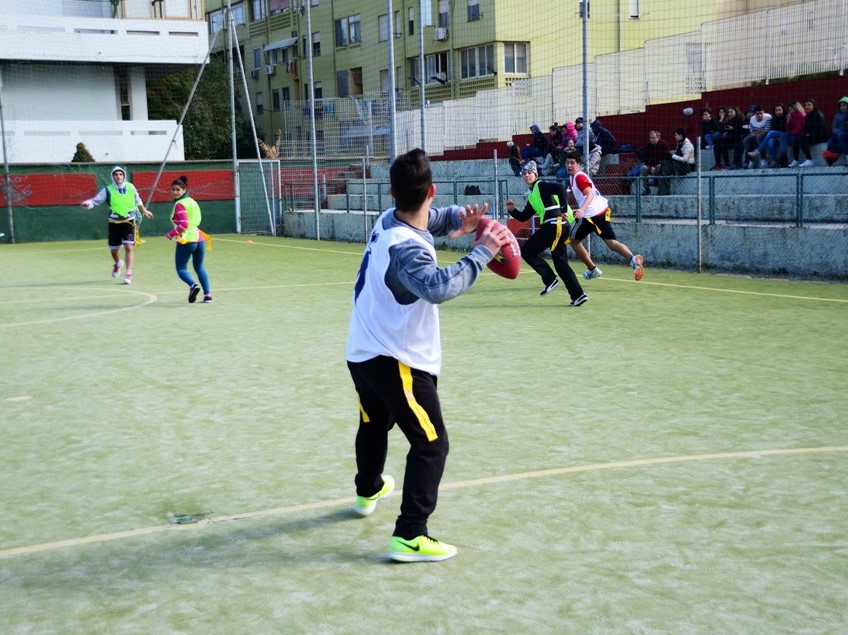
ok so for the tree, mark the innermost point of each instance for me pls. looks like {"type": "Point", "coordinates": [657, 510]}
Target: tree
{"type": "Point", "coordinates": [206, 127]}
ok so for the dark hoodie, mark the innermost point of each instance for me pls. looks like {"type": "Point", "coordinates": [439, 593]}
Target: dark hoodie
{"type": "Point", "coordinates": [603, 137]}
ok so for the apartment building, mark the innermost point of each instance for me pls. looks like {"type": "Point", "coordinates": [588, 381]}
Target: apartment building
{"type": "Point", "coordinates": [469, 46]}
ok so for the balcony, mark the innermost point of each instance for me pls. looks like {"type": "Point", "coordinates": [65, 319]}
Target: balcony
{"type": "Point", "coordinates": [102, 41]}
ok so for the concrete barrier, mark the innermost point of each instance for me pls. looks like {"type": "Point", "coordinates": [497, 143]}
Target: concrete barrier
{"type": "Point", "coordinates": [759, 248]}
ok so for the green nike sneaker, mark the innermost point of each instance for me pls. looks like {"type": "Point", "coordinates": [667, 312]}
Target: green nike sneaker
{"type": "Point", "coordinates": [364, 506]}
{"type": "Point", "coordinates": [420, 549]}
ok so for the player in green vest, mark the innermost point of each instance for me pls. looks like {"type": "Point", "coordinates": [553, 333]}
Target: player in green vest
{"type": "Point", "coordinates": [124, 204]}
{"type": "Point", "coordinates": [548, 201]}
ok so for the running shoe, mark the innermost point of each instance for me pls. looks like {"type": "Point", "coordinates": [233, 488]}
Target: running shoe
{"type": "Point", "coordinates": [365, 505]}
{"type": "Point", "coordinates": [591, 274]}
{"type": "Point", "coordinates": [192, 293]}
{"type": "Point", "coordinates": [207, 298]}
{"type": "Point", "coordinates": [128, 278]}
{"type": "Point", "coordinates": [583, 299]}
{"type": "Point", "coordinates": [420, 549]}
{"type": "Point", "coordinates": [550, 287]}
{"type": "Point", "coordinates": [116, 268]}
{"type": "Point", "coordinates": [638, 264]}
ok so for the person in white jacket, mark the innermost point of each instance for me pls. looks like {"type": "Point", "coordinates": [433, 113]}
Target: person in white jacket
{"type": "Point", "coordinates": [681, 161]}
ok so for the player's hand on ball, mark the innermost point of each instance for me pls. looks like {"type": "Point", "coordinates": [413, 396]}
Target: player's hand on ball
{"type": "Point", "coordinates": [87, 204]}
{"type": "Point", "coordinates": [470, 217]}
{"type": "Point", "coordinates": [502, 243]}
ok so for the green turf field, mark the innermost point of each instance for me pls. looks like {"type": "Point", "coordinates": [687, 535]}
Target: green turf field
{"type": "Point", "coordinates": [671, 457]}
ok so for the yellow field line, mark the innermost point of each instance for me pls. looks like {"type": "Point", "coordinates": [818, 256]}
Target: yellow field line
{"type": "Point", "coordinates": [280, 511]}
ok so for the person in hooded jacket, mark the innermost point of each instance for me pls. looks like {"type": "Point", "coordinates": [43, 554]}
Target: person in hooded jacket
{"type": "Point", "coordinates": [124, 204]}
{"type": "Point", "coordinates": [838, 142]}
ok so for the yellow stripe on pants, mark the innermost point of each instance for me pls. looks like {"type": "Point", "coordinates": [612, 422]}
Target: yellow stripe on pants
{"type": "Point", "coordinates": [420, 413]}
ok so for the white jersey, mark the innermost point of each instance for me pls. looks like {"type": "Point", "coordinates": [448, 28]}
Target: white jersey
{"type": "Point", "coordinates": [578, 183]}
{"type": "Point", "coordinates": [398, 289]}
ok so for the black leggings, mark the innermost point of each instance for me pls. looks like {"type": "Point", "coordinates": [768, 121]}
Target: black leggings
{"type": "Point", "coordinates": [546, 238]}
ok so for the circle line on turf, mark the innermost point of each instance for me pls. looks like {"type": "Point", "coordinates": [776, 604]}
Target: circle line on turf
{"type": "Point", "coordinates": [150, 298]}
{"type": "Point", "coordinates": [280, 511]}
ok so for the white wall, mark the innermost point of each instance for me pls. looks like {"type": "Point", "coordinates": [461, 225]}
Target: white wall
{"type": "Point", "coordinates": [54, 92]}
{"type": "Point", "coordinates": [108, 141]}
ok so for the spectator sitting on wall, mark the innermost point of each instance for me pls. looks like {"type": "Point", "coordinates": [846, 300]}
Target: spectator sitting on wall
{"type": "Point", "coordinates": [815, 131]}
{"type": "Point", "coordinates": [680, 162]}
{"type": "Point", "coordinates": [603, 137]}
{"type": "Point", "coordinates": [838, 142]}
{"type": "Point", "coordinates": [540, 144]}
{"type": "Point", "coordinates": [580, 131]}
{"type": "Point", "coordinates": [654, 153]}
{"type": "Point", "coordinates": [759, 125]}
{"type": "Point", "coordinates": [709, 128]}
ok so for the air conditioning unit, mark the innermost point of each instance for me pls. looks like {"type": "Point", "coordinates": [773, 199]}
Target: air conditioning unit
{"type": "Point", "coordinates": [441, 34]}
{"type": "Point", "coordinates": [270, 69]}
{"type": "Point", "coordinates": [254, 73]}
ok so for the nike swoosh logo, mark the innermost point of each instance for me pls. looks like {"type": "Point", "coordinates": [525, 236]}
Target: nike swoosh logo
{"type": "Point", "coordinates": [409, 546]}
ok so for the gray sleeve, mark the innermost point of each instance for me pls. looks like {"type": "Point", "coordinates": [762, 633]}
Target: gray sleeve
{"type": "Point", "coordinates": [98, 198]}
{"type": "Point", "coordinates": [414, 269]}
{"type": "Point", "coordinates": [444, 220]}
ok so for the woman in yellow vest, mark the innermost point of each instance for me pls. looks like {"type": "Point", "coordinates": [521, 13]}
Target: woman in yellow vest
{"type": "Point", "coordinates": [191, 241]}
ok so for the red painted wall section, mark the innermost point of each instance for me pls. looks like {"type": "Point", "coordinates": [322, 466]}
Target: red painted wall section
{"type": "Point", "coordinates": [203, 185]}
{"type": "Point", "coordinates": [36, 190]}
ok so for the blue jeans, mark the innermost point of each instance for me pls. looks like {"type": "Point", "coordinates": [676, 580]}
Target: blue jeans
{"type": "Point", "coordinates": [788, 140]}
{"type": "Point", "coordinates": [838, 143]}
{"type": "Point", "coordinates": [196, 252]}
{"type": "Point", "coordinates": [771, 142]}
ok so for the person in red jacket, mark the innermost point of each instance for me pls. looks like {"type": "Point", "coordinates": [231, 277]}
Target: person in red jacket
{"type": "Point", "coordinates": [794, 130]}
{"type": "Point", "coordinates": [191, 241]}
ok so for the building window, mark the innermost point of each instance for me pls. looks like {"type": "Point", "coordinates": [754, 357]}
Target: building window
{"type": "Point", "coordinates": [257, 58]}
{"type": "Point", "coordinates": [473, 10]}
{"type": "Point", "coordinates": [278, 6]}
{"type": "Point", "coordinates": [316, 45]}
{"type": "Point", "coordinates": [383, 25]}
{"type": "Point", "coordinates": [218, 18]}
{"type": "Point", "coordinates": [634, 9]}
{"type": "Point", "coordinates": [286, 95]}
{"type": "Point", "coordinates": [478, 61]}
{"type": "Point", "coordinates": [216, 21]}
{"type": "Point", "coordinates": [275, 100]}
{"type": "Point", "coordinates": [341, 84]}
{"type": "Point", "coordinates": [349, 82]}
{"type": "Point", "coordinates": [515, 57]}
{"type": "Point", "coordinates": [260, 103]}
{"type": "Point", "coordinates": [444, 14]}
{"type": "Point", "coordinates": [257, 9]}
{"type": "Point", "coordinates": [410, 20]}
{"type": "Point", "coordinates": [585, 7]}
{"type": "Point", "coordinates": [438, 68]}
{"type": "Point", "coordinates": [348, 31]}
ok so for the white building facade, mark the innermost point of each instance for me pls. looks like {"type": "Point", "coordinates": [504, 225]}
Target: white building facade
{"type": "Point", "coordinates": [77, 71]}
